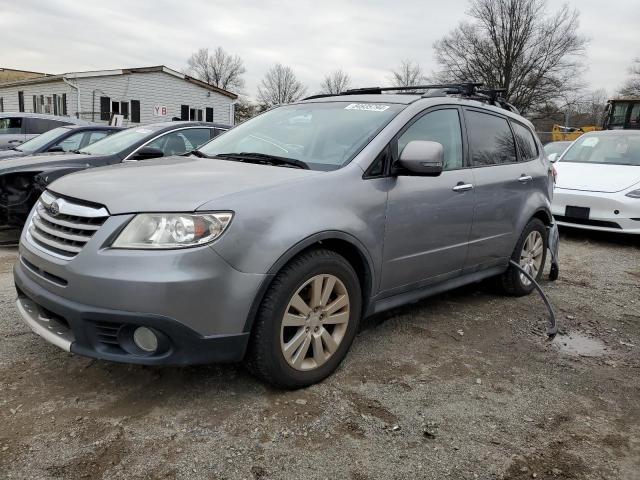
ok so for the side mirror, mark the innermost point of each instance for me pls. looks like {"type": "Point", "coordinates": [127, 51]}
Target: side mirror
{"type": "Point", "coordinates": [422, 158]}
{"type": "Point", "coordinates": [553, 158]}
{"type": "Point", "coordinates": [146, 153]}
{"type": "Point", "coordinates": [55, 149]}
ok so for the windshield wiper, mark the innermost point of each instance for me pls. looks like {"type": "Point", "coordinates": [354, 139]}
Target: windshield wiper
{"type": "Point", "coordinates": [196, 153]}
{"type": "Point", "coordinates": [253, 157]}
{"type": "Point", "coordinates": [78, 151]}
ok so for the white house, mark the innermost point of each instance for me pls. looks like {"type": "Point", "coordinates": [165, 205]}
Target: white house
{"type": "Point", "coordinates": [142, 95]}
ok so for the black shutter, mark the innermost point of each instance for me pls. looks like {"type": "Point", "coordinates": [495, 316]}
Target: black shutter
{"type": "Point", "coordinates": [64, 104]}
{"type": "Point", "coordinates": [115, 107]}
{"type": "Point", "coordinates": [135, 111]}
{"type": "Point", "coordinates": [35, 104]}
{"type": "Point", "coordinates": [200, 115]}
{"type": "Point", "coordinates": [55, 105]}
{"type": "Point", "coordinates": [209, 114]}
{"type": "Point", "coordinates": [192, 114]}
{"type": "Point", "coordinates": [21, 101]}
{"type": "Point", "coordinates": [124, 109]}
{"type": "Point", "coordinates": [105, 108]}
{"type": "Point", "coordinates": [184, 112]}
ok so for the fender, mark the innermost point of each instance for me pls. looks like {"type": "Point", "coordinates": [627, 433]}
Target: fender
{"type": "Point", "coordinates": [302, 245]}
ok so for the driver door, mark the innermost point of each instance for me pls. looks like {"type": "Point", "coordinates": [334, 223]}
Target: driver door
{"type": "Point", "coordinates": [429, 218]}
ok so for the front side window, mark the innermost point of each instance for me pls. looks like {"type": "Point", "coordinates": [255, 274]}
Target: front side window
{"type": "Point", "coordinates": [442, 126]}
{"type": "Point", "coordinates": [490, 139]}
{"type": "Point", "coordinates": [72, 142]}
{"type": "Point", "coordinates": [616, 149]}
{"type": "Point", "coordinates": [10, 125]}
{"type": "Point", "coordinates": [95, 136]}
{"type": "Point", "coordinates": [526, 143]}
{"type": "Point", "coordinates": [324, 135]}
{"type": "Point", "coordinates": [182, 141]}
{"type": "Point", "coordinates": [118, 142]}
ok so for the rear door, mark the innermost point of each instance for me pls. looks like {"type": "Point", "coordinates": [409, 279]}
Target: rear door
{"type": "Point", "coordinates": [429, 218]}
{"type": "Point", "coordinates": [501, 187]}
{"type": "Point", "coordinates": [12, 132]}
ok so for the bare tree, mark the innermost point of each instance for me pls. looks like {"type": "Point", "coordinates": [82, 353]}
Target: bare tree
{"type": "Point", "coordinates": [515, 45]}
{"type": "Point", "coordinates": [409, 73]}
{"type": "Point", "coordinates": [280, 85]}
{"type": "Point", "coordinates": [244, 109]}
{"type": "Point", "coordinates": [632, 86]}
{"type": "Point", "coordinates": [220, 69]}
{"type": "Point", "coordinates": [336, 82]}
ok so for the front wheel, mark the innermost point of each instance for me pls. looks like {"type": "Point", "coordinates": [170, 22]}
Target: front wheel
{"type": "Point", "coordinates": [307, 320]}
{"type": "Point", "coordinates": [530, 253]}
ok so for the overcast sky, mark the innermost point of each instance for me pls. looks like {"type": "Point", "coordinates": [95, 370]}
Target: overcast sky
{"type": "Point", "coordinates": [366, 38]}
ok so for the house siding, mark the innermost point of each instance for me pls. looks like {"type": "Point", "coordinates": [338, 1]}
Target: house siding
{"type": "Point", "coordinates": [150, 88]}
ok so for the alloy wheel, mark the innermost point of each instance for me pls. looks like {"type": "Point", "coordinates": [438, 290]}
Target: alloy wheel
{"type": "Point", "coordinates": [531, 256]}
{"type": "Point", "coordinates": [314, 322]}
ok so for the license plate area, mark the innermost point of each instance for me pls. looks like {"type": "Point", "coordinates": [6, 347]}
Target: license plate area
{"type": "Point", "coordinates": [577, 212]}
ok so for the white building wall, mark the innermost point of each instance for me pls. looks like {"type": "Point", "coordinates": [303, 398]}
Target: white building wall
{"type": "Point", "coordinates": [151, 89]}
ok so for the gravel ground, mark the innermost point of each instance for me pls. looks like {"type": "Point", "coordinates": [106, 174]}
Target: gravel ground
{"type": "Point", "coordinates": [462, 386]}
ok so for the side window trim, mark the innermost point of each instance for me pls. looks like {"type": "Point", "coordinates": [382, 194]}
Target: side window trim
{"type": "Point", "coordinates": [506, 119]}
{"type": "Point", "coordinates": [533, 137]}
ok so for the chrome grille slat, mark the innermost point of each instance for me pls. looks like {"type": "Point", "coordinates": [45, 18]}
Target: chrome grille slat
{"type": "Point", "coordinates": [62, 227]}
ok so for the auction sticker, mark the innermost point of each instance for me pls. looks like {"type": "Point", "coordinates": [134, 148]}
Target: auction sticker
{"type": "Point", "coordinates": [371, 107]}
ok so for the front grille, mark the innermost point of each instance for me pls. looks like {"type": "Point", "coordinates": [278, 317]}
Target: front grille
{"type": "Point", "coordinates": [62, 227]}
{"type": "Point", "coordinates": [584, 221]}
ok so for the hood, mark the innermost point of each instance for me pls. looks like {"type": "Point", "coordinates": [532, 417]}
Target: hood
{"type": "Point", "coordinates": [11, 154]}
{"type": "Point", "coordinates": [171, 184]}
{"type": "Point", "coordinates": [596, 177]}
{"type": "Point", "coordinates": [30, 163]}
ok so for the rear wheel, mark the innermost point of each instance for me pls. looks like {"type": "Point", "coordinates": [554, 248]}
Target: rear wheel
{"type": "Point", "coordinates": [307, 320]}
{"type": "Point", "coordinates": [530, 253]}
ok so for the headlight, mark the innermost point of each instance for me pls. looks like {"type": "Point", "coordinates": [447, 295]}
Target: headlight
{"type": "Point", "coordinates": [634, 194]}
{"type": "Point", "coordinates": [172, 230]}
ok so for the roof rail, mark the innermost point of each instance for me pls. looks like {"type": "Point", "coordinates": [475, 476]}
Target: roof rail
{"type": "Point", "coordinates": [471, 90]}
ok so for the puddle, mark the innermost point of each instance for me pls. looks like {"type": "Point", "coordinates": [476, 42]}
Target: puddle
{"type": "Point", "coordinates": [577, 344]}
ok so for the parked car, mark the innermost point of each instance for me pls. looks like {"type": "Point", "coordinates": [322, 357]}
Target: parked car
{"type": "Point", "coordinates": [60, 140]}
{"type": "Point", "coordinates": [23, 179]}
{"type": "Point", "coordinates": [17, 128]}
{"type": "Point", "coordinates": [296, 224]}
{"type": "Point", "coordinates": [555, 149]}
{"type": "Point", "coordinates": [598, 186]}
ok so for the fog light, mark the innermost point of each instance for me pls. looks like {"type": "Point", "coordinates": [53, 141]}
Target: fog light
{"type": "Point", "coordinates": [145, 339]}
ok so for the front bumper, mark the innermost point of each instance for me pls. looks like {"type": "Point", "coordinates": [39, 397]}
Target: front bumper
{"type": "Point", "coordinates": [195, 302]}
{"type": "Point", "coordinates": [609, 212]}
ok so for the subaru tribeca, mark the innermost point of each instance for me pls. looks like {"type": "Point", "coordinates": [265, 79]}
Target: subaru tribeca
{"type": "Point", "coordinates": [273, 240]}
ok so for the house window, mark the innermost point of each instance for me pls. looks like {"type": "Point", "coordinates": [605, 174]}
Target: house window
{"type": "Point", "coordinates": [184, 112]}
{"type": "Point", "coordinates": [124, 109]}
{"type": "Point", "coordinates": [135, 111]}
{"type": "Point", "coordinates": [21, 101]}
{"type": "Point", "coordinates": [47, 108]}
{"type": "Point", "coordinates": [105, 108]}
{"type": "Point", "coordinates": [115, 107]}
{"type": "Point", "coordinates": [199, 115]}
{"type": "Point", "coordinates": [192, 114]}
{"type": "Point", "coordinates": [209, 116]}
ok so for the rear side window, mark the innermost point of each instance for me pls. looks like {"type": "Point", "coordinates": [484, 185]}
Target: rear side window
{"type": "Point", "coordinates": [41, 125]}
{"type": "Point", "coordinates": [526, 143]}
{"type": "Point", "coordinates": [10, 125]}
{"type": "Point", "coordinates": [490, 139]}
{"type": "Point", "coordinates": [442, 126]}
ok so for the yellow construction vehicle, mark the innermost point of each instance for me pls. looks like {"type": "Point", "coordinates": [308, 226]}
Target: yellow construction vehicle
{"type": "Point", "coordinates": [560, 133]}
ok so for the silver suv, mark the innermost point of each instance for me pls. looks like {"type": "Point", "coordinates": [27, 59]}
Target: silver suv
{"type": "Point", "coordinates": [273, 240]}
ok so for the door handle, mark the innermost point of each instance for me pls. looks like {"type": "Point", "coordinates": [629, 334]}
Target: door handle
{"type": "Point", "coordinates": [462, 187]}
{"type": "Point", "coordinates": [525, 178]}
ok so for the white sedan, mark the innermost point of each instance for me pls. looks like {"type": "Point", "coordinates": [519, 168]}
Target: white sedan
{"type": "Point", "coordinates": [598, 182]}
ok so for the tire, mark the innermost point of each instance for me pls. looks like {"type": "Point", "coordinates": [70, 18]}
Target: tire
{"type": "Point", "coordinates": [512, 282]}
{"type": "Point", "coordinates": [272, 354]}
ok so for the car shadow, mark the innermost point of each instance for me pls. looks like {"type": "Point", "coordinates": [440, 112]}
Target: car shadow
{"type": "Point", "coordinates": [596, 236]}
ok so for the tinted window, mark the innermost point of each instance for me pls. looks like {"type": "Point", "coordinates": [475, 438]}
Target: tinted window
{"type": "Point", "coordinates": [490, 139]}
{"type": "Point", "coordinates": [218, 131]}
{"type": "Point", "coordinates": [41, 125]}
{"type": "Point", "coordinates": [442, 126]}
{"type": "Point", "coordinates": [525, 141]}
{"type": "Point", "coordinates": [182, 141]}
{"type": "Point", "coordinates": [10, 125]}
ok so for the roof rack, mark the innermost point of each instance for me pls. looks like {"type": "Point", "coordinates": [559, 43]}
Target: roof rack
{"type": "Point", "coordinates": [470, 90]}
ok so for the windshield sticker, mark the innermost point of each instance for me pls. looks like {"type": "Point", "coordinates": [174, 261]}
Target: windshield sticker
{"type": "Point", "coordinates": [370, 107]}
{"type": "Point", "coordinates": [590, 142]}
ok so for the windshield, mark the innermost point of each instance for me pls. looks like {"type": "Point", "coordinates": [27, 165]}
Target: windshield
{"type": "Point", "coordinates": [556, 147]}
{"type": "Point", "coordinates": [607, 149]}
{"type": "Point", "coordinates": [117, 142]}
{"type": "Point", "coordinates": [325, 136]}
{"type": "Point", "coordinates": [41, 140]}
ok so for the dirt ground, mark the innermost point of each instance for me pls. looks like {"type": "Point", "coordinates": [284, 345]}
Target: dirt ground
{"type": "Point", "coordinates": [462, 386]}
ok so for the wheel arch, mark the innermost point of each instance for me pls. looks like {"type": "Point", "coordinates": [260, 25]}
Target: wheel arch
{"type": "Point", "coordinates": [340, 242]}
